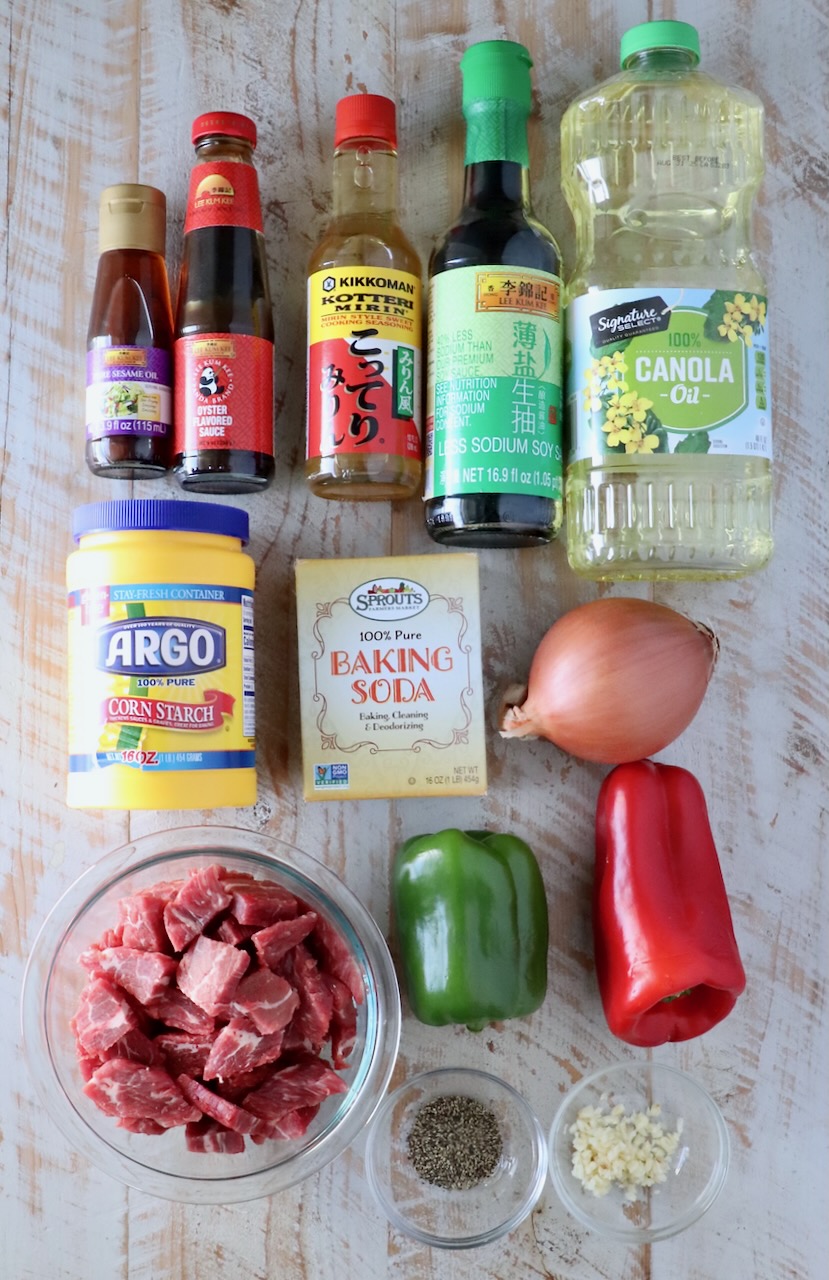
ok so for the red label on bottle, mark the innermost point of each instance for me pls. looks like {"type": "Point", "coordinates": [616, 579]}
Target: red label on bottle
{"type": "Point", "coordinates": [363, 362]}
{"type": "Point", "coordinates": [223, 194]}
{"type": "Point", "coordinates": [223, 393]}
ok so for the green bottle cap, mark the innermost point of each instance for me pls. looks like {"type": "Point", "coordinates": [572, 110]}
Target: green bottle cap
{"type": "Point", "coordinates": [497, 69]}
{"type": "Point", "coordinates": [659, 35]}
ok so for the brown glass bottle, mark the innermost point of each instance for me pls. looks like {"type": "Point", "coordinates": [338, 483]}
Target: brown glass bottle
{"type": "Point", "coordinates": [224, 330]}
{"type": "Point", "coordinates": [363, 435]}
{"type": "Point", "coordinates": [130, 339]}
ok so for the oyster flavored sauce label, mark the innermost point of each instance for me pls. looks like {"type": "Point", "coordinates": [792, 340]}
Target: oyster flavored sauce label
{"type": "Point", "coordinates": [162, 677]}
{"type": "Point", "coordinates": [667, 370]}
{"type": "Point", "coordinates": [390, 677]}
{"type": "Point", "coordinates": [223, 382]}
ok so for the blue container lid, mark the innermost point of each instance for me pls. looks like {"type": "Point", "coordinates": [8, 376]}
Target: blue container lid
{"type": "Point", "coordinates": [138, 514]}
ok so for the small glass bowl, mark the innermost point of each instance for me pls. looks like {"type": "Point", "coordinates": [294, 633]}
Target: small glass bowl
{"type": "Point", "coordinates": [450, 1219]}
{"type": "Point", "coordinates": [162, 1165]}
{"type": "Point", "coordinates": [697, 1169]}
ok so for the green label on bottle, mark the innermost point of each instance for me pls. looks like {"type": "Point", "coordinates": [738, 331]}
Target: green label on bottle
{"type": "Point", "coordinates": [494, 390]}
{"type": "Point", "coordinates": [668, 371]}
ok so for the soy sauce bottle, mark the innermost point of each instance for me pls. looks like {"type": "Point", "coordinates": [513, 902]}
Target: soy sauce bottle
{"type": "Point", "coordinates": [129, 362]}
{"type": "Point", "coordinates": [224, 323]}
{"type": "Point", "coordinates": [493, 424]}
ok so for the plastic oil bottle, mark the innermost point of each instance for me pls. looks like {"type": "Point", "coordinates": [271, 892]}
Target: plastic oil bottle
{"type": "Point", "coordinates": [669, 462]}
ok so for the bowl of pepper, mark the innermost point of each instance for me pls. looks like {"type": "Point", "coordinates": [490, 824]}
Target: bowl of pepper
{"type": "Point", "coordinates": [456, 1158]}
{"type": "Point", "coordinates": [638, 1152]}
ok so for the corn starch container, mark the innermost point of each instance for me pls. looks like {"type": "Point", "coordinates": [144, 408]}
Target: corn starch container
{"type": "Point", "coordinates": [161, 678]}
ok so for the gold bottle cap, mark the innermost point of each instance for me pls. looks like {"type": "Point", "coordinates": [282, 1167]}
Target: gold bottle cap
{"type": "Point", "coordinates": [132, 216]}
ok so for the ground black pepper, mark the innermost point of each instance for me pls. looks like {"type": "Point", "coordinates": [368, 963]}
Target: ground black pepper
{"type": "Point", "coordinates": [454, 1142]}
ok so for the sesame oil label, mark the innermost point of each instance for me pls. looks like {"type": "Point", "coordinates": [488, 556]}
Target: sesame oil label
{"type": "Point", "coordinates": [161, 677]}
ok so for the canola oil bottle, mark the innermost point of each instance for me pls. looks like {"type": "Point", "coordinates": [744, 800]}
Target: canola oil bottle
{"type": "Point", "coordinates": [669, 458]}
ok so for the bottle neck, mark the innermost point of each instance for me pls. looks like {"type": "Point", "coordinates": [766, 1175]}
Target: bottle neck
{"type": "Point", "coordinates": [497, 156]}
{"type": "Point", "coordinates": [220, 147]}
{"type": "Point", "coordinates": [365, 180]}
{"type": "Point", "coordinates": [661, 60]}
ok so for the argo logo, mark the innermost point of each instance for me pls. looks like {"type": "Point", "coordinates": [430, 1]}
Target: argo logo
{"type": "Point", "coordinates": [147, 646]}
{"type": "Point", "coordinates": [389, 598]}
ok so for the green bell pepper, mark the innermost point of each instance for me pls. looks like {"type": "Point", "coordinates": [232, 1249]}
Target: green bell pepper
{"type": "Point", "coordinates": [471, 918]}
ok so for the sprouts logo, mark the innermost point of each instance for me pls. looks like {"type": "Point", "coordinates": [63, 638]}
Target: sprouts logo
{"type": "Point", "coordinates": [389, 598]}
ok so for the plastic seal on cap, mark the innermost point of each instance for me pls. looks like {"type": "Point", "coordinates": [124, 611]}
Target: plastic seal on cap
{"type": "Point", "coordinates": [228, 124]}
{"type": "Point", "coordinates": [497, 69]}
{"type": "Point", "coordinates": [132, 216]}
{"type": "Point", "coordinates": [138, 515]}
{"type": "Point", "coordinates": [659, 35]}
{"type": "Point", "coordinates": [365, 115]}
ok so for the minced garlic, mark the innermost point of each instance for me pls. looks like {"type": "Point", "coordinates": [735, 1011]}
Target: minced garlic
{"type": "Point", "coordinates": [629, 1150]}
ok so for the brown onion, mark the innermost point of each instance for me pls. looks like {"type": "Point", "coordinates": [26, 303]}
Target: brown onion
{"type": "Point", "coordinates": [615, 680]}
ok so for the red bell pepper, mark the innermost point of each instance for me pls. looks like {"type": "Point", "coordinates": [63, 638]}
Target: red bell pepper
{"type": "Point", "coordinates": [666, 957]}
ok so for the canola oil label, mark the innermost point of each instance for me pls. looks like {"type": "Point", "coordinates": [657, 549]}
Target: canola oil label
{"type": "Point", "coordinates": [161, 677]}
{"type": "Point", "coordinates": [666, 370]}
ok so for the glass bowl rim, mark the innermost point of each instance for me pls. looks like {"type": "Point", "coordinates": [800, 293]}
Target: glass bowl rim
{"type": "Point", "coordinates": [703, 1202]}
{"type": "Point", "coordinates": [344, 908]}
{"type": "Point", "coordinates": [536, 1185]}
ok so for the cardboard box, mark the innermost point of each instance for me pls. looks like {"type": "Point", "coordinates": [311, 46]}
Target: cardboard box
{"type": "Point", "coordinates": [390, 677]}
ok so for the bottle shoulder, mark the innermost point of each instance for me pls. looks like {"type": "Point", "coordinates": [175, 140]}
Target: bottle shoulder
{"type": "Point", "coordinates": [497, 237]}
{"type": "Point", "coordinates": [349, 242]}
{"type": "Point", "coordinates": [635, 85]}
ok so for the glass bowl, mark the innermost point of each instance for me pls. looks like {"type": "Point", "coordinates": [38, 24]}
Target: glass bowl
{"type": "Point", "coordinates": [456, 1219]}
{"type": "Point", "coordinates": [161, 1165]}
{"type": "Point", "coordinates": [695, 1171]}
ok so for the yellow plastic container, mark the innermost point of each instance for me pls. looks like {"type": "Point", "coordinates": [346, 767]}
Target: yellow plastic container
{"type": "Point", "coordinates": [161, 669]}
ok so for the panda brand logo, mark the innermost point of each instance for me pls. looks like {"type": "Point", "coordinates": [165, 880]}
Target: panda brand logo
{"type": "Point", "coordinates": [215, 380]}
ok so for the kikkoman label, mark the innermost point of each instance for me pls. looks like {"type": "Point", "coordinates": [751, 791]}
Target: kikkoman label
{"type": "Point", "coordinates": [364, 362]}
{"type": "Point", "coordinates": [671, 371]}
{"type": "Point", "coordinates": [162, 677]}
{"type": "Point", "coordinates": [494, 400]}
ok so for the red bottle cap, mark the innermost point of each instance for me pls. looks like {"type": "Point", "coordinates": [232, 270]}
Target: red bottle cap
{"type": "Point", "coordinates": [365, 115]}
{"type": "Point", "coordinates": [228, 123]}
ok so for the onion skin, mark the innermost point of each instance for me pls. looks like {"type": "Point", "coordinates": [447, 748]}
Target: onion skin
{"type": "Point", "coordinates": [615, 680]}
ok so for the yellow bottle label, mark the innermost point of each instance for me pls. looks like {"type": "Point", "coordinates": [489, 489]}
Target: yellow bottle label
{"type": "Point", "coordinates": [364, 358]}
{"type": "Point", "coordinates": [161, 677]}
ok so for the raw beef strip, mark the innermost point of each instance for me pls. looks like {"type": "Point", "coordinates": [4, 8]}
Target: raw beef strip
{"type": "Point", "coordinates": [316, 1002]}
{"type": "Point", "coordinates": [89, 1063]}
{"type": "Point", "coordinates": [235, 1087]}
{"type": "Point", "coordinates": [183, 1053]}
{"type": "Point", "coordinates": [260, 902]}
{"type": "Point", "coordinates": [111, 937]}
{"type": "Point", "coordinates": [175, 1010]}
{"type": "Point", "coordinates": [300, 1085]}
{"type": "Point", "coordinates": [133, 1091]}
{"type": "Point", "coordinates": [104, 1015]}
{"type": "Point", "coordinates": [291, 1126]}
{"type": "Point", "coordinates": [239, 1047]}
{"type": "Point", "coordinates": [142, 917]}
{"type": "Point", "coordinates": [136, 1125]}
{"type": "Point", "coordinates": [336, 958]}
{"type": "Point", "coordinates": [209, 973]}
{"type": "Point", "coordinates": [277, 940]}
{"type": "Point", "coordinates": [343, 1029]}
{"type": "Point", "coordinates": [266, 999]}
{"type": "Point", "coordinates": [231, 931]}
{"type": "Point", "coordinates": [136, 1047]}
{"type": "Point", "coordinates": [143, 974]}
{"type": "Point", "coordinates": [219, 1109]}
{"type": "Point", "coordinates": [206, 1135]}
{"type": "Point", "coordinates": [198, 901]}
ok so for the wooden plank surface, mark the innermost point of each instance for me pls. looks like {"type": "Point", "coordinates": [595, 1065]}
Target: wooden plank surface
{"type": "Point", "coordinates": [103, 93]}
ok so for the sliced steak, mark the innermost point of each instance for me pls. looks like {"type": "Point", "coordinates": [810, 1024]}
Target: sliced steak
{"type": "Point", "coordinates": [184, 1054]}
{"type": "Point", "coordinates": [104, 1016]}
{"type": "Point", "coordinates": [273, 943]}
{"type": "Point", "coordinates": [303, 1084]}
{"type": "Point", "coordinates": [206, 1135]}
{"type": "Point", "coordinates": [142, 920]}
{"type": "Point", "coordinates": [238, 1048]}
{"type": "Point", "coordinates": [312, 1019]}
{"type": "Point", "coordinates": [174, 1009]}
{"type": "Point", "coordinates": [199, 900]}
{"type": "Point", "coordinates": [209, 973]}
{"type": "Point", "coordinates": [131, 1091]}
{"type": "Point", "coordinates": [267, 1000]}
{"type": "Point", "coordinates": [335, 956]}
{"type": "Point", "coordinates": [343, 1028]}
{"type": "Point", "coordinates": [220, 1109]}
{"type": "Point", "coordinates": [144, 974]}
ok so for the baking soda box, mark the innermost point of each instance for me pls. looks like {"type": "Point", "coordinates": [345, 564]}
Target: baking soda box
{"type": "Point", "coordinates": [390, 677]}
